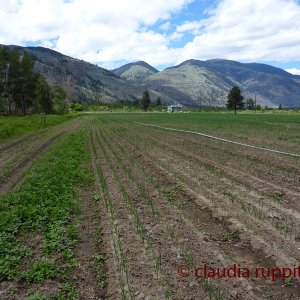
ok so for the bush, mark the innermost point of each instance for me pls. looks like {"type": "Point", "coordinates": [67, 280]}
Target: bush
{"type": "Point", "coordinates": [76, 107]}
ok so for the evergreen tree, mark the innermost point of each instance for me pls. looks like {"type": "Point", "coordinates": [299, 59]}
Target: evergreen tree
{"type": "Point", "coordinates": [145, 101]}
{"type": "Point", "coordinates": [4, 60]}
{"type": "Point", "coordinates": [235, 99]}
{"type": "Point", "coordinates": [17, 81]}
{"type": "Point", "coordinates": [59, 96]}
{"type": "Point", "coordinates": [158, 101]}
{"type": "Point", "coordinates": [21, 88]}
{"type": "Point", "coordinates": [43, 95]}
{"type": "Point", "coordinates": [250, 104]}
{"type": "Point", "coordinates": [27, 82]}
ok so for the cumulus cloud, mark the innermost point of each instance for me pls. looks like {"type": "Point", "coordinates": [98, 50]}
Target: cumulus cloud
{"type": "Point", "coordinates": [165, 26]}
{"type": "Point", "coordinates": [247, 30]}
{"type": "Point", "coordinates": [98, 30]}
{"type": "Point", "coordinates": [293, 71]}
{"type": "Point", "coordinates": [118, 31]}
{"type": "Point", "coordinates": [189, 26]}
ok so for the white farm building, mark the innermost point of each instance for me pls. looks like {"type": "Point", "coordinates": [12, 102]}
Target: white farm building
{"type": "Point", "coordinates": [175, 108]}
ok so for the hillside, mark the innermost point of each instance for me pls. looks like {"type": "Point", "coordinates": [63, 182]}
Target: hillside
{"type": "Point", "coordinates": [83, 81]}
{"type": "Point", "coordinates": [191, 83]}
{"type": "Point", "coordinates": [136, 72]}
{"type": "Point", "coordinates": [208, 83]}
{"type": "Point", "coordinates": [266, 81]}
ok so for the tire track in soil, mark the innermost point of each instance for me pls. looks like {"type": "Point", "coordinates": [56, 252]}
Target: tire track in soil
{"type": "Point", "coordinates": [13, 144]}
{"type": "Point", "coordinates": [142, 282]}
{"type": "Point", "coordinates": [16, 151]}
{"type": "Point", "coordinates": [9, 144]}
{"type": "Point", "coordinates": [187, 233]}
{"type": "Point", "coordinates": [27, 137]}
{"type": "Point", "coordinates": [271, 263]}
{"type": "Point", "coordinates": [12, 156]}
{"type": "Point", "coordinates": [11, 179]}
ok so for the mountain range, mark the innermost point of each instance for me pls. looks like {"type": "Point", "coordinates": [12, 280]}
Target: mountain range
{"type": "Point", "coordinates": [191, 83]}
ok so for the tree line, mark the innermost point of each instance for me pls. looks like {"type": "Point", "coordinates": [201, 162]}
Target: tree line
{"type": "Point", "coordinates": [22, 90]}
{"type": "Point", "coordinates": [144, 103]}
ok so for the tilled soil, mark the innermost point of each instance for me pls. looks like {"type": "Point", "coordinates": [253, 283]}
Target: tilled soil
{"type": "Point", "coordinates": [169, 203]}
{"type": "Point", "coordinates": [203, 200]}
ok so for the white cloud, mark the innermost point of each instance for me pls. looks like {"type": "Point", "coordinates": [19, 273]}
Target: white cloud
{"type": "Point", "coordinates": [248, 30]}
{"type": "Point", "coordinates": [176, 36]}
{"type": "Point", "coordinates": [189, 26]}
{"type": "Point", "coordinates": [293, 71]}
{"type": "Point", "coordinates": [115, 31]}
{"type": "Point", "coordinates": [99, 30]}
{"type": "Point", "coordinates": [165, 26]}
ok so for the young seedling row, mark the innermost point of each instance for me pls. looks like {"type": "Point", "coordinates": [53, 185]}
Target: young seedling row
{"type": "Point", "coordinates": [103, 206]}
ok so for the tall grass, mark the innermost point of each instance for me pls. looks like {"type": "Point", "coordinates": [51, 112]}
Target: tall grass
{"type": "Point", "coordinates": [14, 126]}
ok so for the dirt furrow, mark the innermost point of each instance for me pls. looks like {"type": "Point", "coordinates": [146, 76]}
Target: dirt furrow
{"type": "Point", "coordinates": [175, 219]}
{"type": "Point", "coordinates": [110, 288]}
{"type": "Point", "coordinates": [259, 203]}
{"type": "Point", "coordinates": [249, 246]}
{"type": "Point", "coordinates": [141, 281]}
{"type": "Point", "coordinates": [5, 147]}
{"type": "Point", "coordinates": [225, 159]}
{"type": "Point", "coordinates": [161, 239]}
{"type": "Point", "coordinates": [289, 199]}
{"type": "Point", "coordinates": [182, 143]}
{"type": "Point", "coordinates": [236, 209]}
{"type": "Point", "coordinates": [16, 160]}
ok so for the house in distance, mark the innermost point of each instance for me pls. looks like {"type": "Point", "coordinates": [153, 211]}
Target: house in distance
{"type": "Point", "coordinates": [175, 108]}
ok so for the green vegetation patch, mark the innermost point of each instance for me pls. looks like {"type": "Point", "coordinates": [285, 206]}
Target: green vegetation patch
{"type": "Point", "coordinates": [37, 236]}
{"type": "Point", "coordinates": [12, 126]}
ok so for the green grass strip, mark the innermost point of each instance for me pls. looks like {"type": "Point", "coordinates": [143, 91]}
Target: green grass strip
{"type": "Point", "coordinates": [14, 126]}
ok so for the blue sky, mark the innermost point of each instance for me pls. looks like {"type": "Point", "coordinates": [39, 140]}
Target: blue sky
{"type": "Point", "coordinates": [163, 33]}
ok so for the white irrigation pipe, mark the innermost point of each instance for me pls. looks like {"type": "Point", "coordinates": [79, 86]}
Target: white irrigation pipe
{"type": "Point", "coordinates": [220, 139]}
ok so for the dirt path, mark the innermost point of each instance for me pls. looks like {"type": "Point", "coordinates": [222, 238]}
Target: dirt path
{"type": "Point", "coordinates": [17, 157]}
{"type": "Point", "coordinates": [9, 180]}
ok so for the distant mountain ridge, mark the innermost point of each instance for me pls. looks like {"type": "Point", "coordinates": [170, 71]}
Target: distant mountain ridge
{"type": "Point", "coordinates": [136, 72]}
{"type": "Point", "coordinates": [83, 81]}
{"type": "Point", "coordinates": [191, 83]}
{"type": "Point", "coordinates": [271, 86]}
